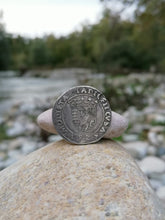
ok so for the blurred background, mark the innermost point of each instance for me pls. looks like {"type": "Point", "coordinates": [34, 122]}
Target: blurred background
{"type": "Point", "coordinates": [118, 47]}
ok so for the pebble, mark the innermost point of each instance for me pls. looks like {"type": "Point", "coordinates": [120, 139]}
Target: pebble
{"type": "Point", "coordinates": [130, 137]}
{"type": "Point", "coordinates": [16, 143]}
{"type": "Point", "coordinates": [2, 156]}
{"type": "Point", "coordinates": [20, 126]}
{"type": "Point", "coordinates": [133, 115]}
{"type": "Point", "coordinates": [163, 157]}
{"type": "Point", "coordinates": [14, 154]}
{"type": "Point", "coordinates": [28, 147]}
{"type": "Point", "coordinates": [162, 103]}
{"type": "Point", "coordinates": [118, 124]}
{"type": "Point", "coordinates": [161, 193]}
{"type": "Point", "coordinates": [2, 165]}
{"type": "Point", "coordinates": [4, 146]}
{"type": "Point", "coordinates": [137, 149]}
{"type": "Point", "coordinates": [157, 129]}
{"type": "Point", "coordinates": [158, 176]}
{"type": "Point", "coordinates": [151, 150]}
{"type": "Point", "coordinates": [160, 119]}
{"type": "Point", "coordinates": [27, 108]}
{"type": "Point", "coordinates": [16, 129]}
{"type": "Point", "coordinates": [54, 138]}
{"type": "Point", "coordinates": [151, 165]}
{"type": "Point", "coordinates": [156, 184]}
{"type": "Point", "coordinates": [9, 161]}
{"type": "Point", "coordinates": [2, 120]}
{"type": "Point", "coordinates": [160, 151]}
{"type": "Point", "coordinates": [161, 139]}
{"type": "Point", "coordinates": [155, 117]}
{"type": "Point", "coordinates": [152, 137]}
{"type": "Point", "coordinates": [138, 128]}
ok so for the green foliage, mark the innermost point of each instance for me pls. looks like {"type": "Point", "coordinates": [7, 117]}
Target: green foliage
{"type": "Point", "coordinates": [158, 123]}
{"type": "Point", "coordinates": [37, 53]}
{"type": "Point", "coordinates": [148, 34]}
{"type": "Point", "coordinates": [4, 47]}
{"type": "Point", "coordinates": [120, 138]}
{"type": "Point", "coordinates": [4, 51]}
{"type": "Point", "coordinates": [112, 44]}
{"type": "Point", "coordinates": [3, 134]}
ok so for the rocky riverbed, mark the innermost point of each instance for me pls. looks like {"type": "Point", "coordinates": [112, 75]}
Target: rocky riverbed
{"type": "Point", "coordinates": [141, 99]}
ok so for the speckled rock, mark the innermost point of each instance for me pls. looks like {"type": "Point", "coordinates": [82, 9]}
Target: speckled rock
{"type": "Point", "coordinates": [118, 124]}
{"type": "Point", "coordinates": [64, 181]}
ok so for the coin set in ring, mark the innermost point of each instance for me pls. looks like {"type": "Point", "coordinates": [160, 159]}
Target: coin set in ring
{"type": "Point", "coordinates": [82, 115]}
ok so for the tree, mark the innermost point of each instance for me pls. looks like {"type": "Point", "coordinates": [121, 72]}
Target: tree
{"type": "Point", "coordinates": [149, 31]}
{"type": "Point", "coordinates": [38, 56]}
{"type": "Point", "coordinates": [4, 46]}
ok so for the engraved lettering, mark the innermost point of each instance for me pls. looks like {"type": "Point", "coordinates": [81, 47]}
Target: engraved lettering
{"type": "Point", "coordinates": [89, 91]}
{"type": "Point", "coordinates": [105, 104]}
{"type": "Point", "coordinates": [95, 93]}
{"type": "Point", "coordinates": [98, 95]}
{"type": "Point", "coordinates": [106, 123]}
{"type": "Point", "coordinates": [106, 108]}
{"type": "Point", "coordinates": [108, 116]}
{"type": "Point", "coordinates": [107, 113]}
{"type": "Point", "coordinates": [103, 100]}
{"type": "Point", "coordinates": [83, 90]}
{"type": "Point", "coordinates": [102, 129]}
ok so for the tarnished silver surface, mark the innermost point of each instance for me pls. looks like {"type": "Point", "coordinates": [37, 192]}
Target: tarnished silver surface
{"type": "Point", "coordinates": [82, 115]}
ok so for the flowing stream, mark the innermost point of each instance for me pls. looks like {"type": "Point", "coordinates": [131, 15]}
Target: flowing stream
{"type": "Point", "coordinates": [14, 89]}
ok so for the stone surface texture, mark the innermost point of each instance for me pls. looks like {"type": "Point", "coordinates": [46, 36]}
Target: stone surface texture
{"type": "Point", "coordinates": [64, 181]}
{"type": "Point", "coordinates": [118, 124]}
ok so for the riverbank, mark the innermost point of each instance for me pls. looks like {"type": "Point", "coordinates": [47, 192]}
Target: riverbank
{"type": "Point", "coordinates": [140, 97]}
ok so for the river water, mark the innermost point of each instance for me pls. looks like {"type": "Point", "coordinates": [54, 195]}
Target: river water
{"type": "Point", "coordinates": [14, 89]}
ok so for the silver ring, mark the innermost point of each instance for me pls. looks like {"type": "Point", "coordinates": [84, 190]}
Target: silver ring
{"type": "Point", "coordinates": [82, 115]}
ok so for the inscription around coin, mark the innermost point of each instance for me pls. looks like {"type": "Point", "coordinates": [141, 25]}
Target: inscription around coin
{"type": "Point", "coordinates": [82, 115]}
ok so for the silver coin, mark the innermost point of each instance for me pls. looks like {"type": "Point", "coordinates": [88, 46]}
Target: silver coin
{"type": "Point", "coordinates": [82, 115]}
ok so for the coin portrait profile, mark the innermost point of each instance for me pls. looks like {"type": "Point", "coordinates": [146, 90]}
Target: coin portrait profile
{"type": "Point", "coordinates": [82, 115]}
